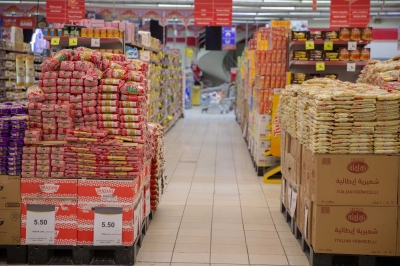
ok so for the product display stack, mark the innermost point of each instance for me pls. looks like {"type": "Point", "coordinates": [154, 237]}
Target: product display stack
{"type": "Point", "coordinates": [340, 166]}
{"type": "Point", "coordinates": [157, 164]}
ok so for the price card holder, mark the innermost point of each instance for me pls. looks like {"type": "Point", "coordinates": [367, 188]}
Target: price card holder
{"type": "Point", "coordinates": [137, 220]}
{"type": "Point", "coordinates": [95, 42]}
{"type": "Point", "coordinates": [289, 197]}
{"type": "Point", "coordinates": [320, 66]}
{"type": "Point", "coordinates": [40, 224]}
{"type": "Point", "coordinates": [55, 41]}
{"type": "Point", "coordinates": [352, 46]}
{"type": "Point", "coordinates": [328, 45]}
{"type": "Point", "coordinates": [310, 45]}
{"type": "Point", "coordinates": [107, 226]}
{"type": "Point", "coordinates": [305, 221]}
{"type": "Point", "coordinates": [73, 41]}
{"type": "Point", "coordinates": [293, 203]}
{"type": "Point", "coordinates": [351, 67]}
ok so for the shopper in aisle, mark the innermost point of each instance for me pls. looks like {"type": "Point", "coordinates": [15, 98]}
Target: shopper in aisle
{"type": "Point", "coordinates": [197, 73]}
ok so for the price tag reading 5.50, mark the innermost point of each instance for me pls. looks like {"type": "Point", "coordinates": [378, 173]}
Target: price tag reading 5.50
{"type": "Point", "coordinates": [320, 66]}
{"type": "Point", "coordinates": [40, 224]}
{"type": "Point", "coordinates": [55, 41]}
{"type": "Point", "coordinates": [107, 226]}
{"type": "Point", "coordinates": [73, 41]}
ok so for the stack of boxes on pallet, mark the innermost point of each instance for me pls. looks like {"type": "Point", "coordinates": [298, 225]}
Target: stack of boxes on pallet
{"type": "Point", "coordinates": [266, 62]}
{"type": "Point", "coordinates": [343, 204]}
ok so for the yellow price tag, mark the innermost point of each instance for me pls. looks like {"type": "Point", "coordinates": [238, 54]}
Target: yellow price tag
{"type": "Point", "coordinates": [309, 45]}
{"type": "Point", "coordinates": [328, 45]}
{"type": "Point", "coordinates": [55, 41]}
{"type": "Point", "coordinates": [143, 49]}
{"type": "Point", "coordinates": [320, 66]}
{"type": "Point", "coordinates": [73, 41]}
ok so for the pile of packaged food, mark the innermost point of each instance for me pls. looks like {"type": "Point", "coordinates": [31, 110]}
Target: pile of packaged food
{"type": "Point", "coordinates": [330, 116]}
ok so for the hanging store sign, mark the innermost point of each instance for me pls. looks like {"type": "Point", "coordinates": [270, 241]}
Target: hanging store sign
{"type": "Point", "coordinates": [350, 13]}
{"type": "Point", "coordinates": [22, 22]}
{"type": "Point", "coordinates": [228, 38]}
{"type": "Point", "coordinates": [65, 11]}
{"type": "Point", "coordinates": [213, 12]}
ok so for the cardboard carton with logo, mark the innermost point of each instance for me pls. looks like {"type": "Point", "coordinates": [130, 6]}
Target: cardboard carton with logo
{"type": "Point", "coordinates": [304, 214]}
{"type": "Point", "coordinates": [106, 193]}
{"type": "Point", "coordinates": [10, 192]}
{"type": "Point", "coordinates": [365, 180]}
{"type": "Point", "coordinates": [62, 193]}
{"type": "Point", "coordinates": [358, 230]}
{"type": "Point", "coordinates": [10, 227]}
{"type": "Point", "coordinates": [292, 162]}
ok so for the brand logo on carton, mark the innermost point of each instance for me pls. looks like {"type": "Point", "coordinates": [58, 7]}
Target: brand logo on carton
{"type": "Point", "coordinates": [105, 191]}
{"type": "Point", "coordinates": [1, 221]}
{"type": "Point", "coordinates": [356, 217]}
{"type": "Point", "coordinates": [49, 188]}
{"type": "Point", "coordinates": [1, 187]}
{"type": "Point", "coordinates": [357, 166]}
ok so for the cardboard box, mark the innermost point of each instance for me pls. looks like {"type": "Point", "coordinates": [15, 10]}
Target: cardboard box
{"type": "Point", "coordinates": [358, 230]}
{"type": "Point", "coordinates": [10, 192]}
{"type": "Point", "coordinates": [106, 193]}
{"type": "Point", "coordinates": [398, 232]}
{"type": "Point", "coordinates": [304, 214]}
{"type": "Point", "coordinates": [292, 163]}
{"type": "Point", "coordinates": [261, 125]}
{"type": "Point", "coordinates": [48, 188]}
{"type": "Point", "coordinates": [10, 227]}
{"type": "Point", "coordinates": [365, 180]}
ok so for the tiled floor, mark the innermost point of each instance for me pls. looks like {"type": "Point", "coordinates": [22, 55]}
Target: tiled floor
{"type": "Point", "coordinates": [216, 211]}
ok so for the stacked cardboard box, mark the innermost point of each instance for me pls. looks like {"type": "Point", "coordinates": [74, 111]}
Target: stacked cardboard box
{"type": "Point", "coordinates": [343, 204]}
{"type": "Point", "coordinates": [10, 210]}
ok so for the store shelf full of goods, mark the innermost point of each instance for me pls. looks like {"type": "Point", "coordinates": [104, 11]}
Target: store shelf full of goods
{"type": "Point", "coordinates": [327, 54]}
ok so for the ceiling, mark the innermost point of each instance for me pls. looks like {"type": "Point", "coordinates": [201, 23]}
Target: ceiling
{"type": "Point", "coordinates": [243, 10]}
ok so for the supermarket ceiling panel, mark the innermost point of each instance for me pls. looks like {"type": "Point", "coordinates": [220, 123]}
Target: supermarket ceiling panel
{"type": "Point", "coordinates": [243, 10]}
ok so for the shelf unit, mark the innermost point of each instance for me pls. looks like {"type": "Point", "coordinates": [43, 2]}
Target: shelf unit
{"type": "Point", "coordinates": [331, 67]}
{"type": "Point", "coordinates": [105, 43]}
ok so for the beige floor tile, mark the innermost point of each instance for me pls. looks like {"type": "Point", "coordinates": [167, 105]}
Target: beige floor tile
{"type": "Point", "coordinates": [151, 264]}
{"type": "Point", "coordinates": [298, 260]}
{"type": "Point", "coordinates": [227, 220]}
{"type": "Point", "coordinates": [227, 233]}
{"type": "Point", "coordinates": [262, 234]}
{"type": "Point", "coordinates": [217, 240]}
{"type": "Point", "coordinates": [237, 214]}
{"type": "Point", "coordinates": [263, 241]}
{"type": "Point", "coordinates": [274, 260]}
{"type": "Point", "coordinates": [229, 249]}
{"type": "Point", "coordinates": [160, 239]}
{"type": "Point", "coordinates": [195, 226]}
{"type": "Point", "coordinates": [186, 264]}
{"type": "Point", "coordinates": [193, 239]}
{"type": "Point", "coordinates": [192, 248]}
{"type": "Point", "coordinates": [230, 258]}
{"type": "Point", "coordinates": [259, 227]}
{"type": "Point", "coordinates": [160, 225]}
{"type": "Point", "coordinates": [266, 250]}
{"type": "Point", "coordinates": [293, 251]}
{"type": "Point", "coordinates": [217, 226]}
{"type": "Point", "coordinates": [194, 232]}
{"type": "Point", "coordinates": [154, 256]}
{"type": "Point", "coordinates": [197, 214]}
{"type": "Point", "coordinates": [191, 219]}
{"type": "Point", "coordinates": [157, 247]}
{"type": "Point", "coordinates": [290, 242]}
{"type": "Point", "coordinates": [162, 232]}
{"type": "Point", "coordinates": [191, 257]}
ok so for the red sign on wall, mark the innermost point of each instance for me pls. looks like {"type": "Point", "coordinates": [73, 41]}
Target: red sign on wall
{"type": "Point", "coordinates": [350, 13]}
{"type": "Point", "coordinates": [65, 11]}
{"type": "Point", "coordinates": [22, 22]}
{"type": "Point", "coordinates": [213, 12]}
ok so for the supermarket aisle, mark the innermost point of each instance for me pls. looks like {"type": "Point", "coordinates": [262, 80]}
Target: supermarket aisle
{"type": "Point", "coordinates": [216, 211]}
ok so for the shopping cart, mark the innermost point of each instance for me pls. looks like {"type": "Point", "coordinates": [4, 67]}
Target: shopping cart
{"type": "Point", "coordinates": [217, 98]}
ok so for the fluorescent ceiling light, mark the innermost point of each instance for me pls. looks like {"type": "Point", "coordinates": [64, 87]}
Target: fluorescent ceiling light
{"type": "Point", "coordinates": [244, 14]}
{"type": "Point", "coordinates": [282, 1]}
{"type": "Point", "coordinates": [272, 14]}
{"type": "Point", "coordinates": [392, 13]}
{"type": "Point", "coordinates": [278, 8]}
{"type": "Point", "coordinates": [318, 1]}
{"type": "Point", "coordinates": [320, 18]}
{"type": "Point", "coordinates": [172, 5]}
{"type": "Point", "coordinates": [306, 13]}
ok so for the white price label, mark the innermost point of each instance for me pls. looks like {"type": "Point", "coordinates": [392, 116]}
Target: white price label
{"type": "Point", "coordinates": [289, 197]}
{"type": "Point", "coordinates": [305, 221]}
{"type": "Point", "coordinates": [107, 226]}
{"type": "Point", "coordinates": [144, 56]}
{"type": "Point", "coordinates": [40, 224]}
{"type": "Point", "coordinates": [351, 46]}
{"type": "Point", "coordinates": [351, 67]}
{"type": "Point", "coordinates": [95, 42]}
{"type": "Point", "coordinates": [293, 203]}
{"type": "Point", "coordinates": [148, 203]}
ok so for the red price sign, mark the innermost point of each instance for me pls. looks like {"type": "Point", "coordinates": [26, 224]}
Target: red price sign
{"type": "Point", "coordinates": [65, 10]}
{"type": "Point", "coordinates": [213, 12]}
{"type": "Point", "coordinates": [354, 13]}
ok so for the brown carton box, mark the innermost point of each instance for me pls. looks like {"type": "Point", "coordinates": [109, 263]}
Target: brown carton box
{"type": "Point", "coordinates": [10, 192]}
{"type": "Point", "coordinates": [365, 180]}
{"type": "Point", "coordinates": [354, 230]}
{"type": "Point", "coordinates": [306, 161]}
{"type": "Point", "coordinates": [10, 227]}
{"type": "Point", "coordinates": [292, 159]}
{"type": "Point", "coordinates": [398, 232]}
{"type": "Point", "coordinates": [304, 213]}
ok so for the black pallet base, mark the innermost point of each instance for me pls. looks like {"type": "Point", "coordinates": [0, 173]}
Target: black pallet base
{"type": "Point", "coordinates": [14, 254]}
{"type": "Point", "coordinates": [89, 255]}
{"type": "Point", "coordinates": [322, 259]}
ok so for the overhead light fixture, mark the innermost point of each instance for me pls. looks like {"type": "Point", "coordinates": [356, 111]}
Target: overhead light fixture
{"type": "Point", "coordinates": [173, 5]}
{"type": "Point", "coordinates": [244, 14]}
{"type": "Point", "coordinates": [305, 13]}
{"type": "Point", "coordinates": [278, 8]}
{"type": "Point", "coordinates": [320, 18]}
{"type": "Point", "coordinates": [392, 13]}
{"type": "Point", "coordinates": [319, 1]}
{"type": "Point", "coordinates": [272, 14]}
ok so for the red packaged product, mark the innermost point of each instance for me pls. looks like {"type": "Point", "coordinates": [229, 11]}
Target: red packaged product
{"type": "Point", "coordinates": [108, 103]}
{"type": "Point", "coordinates": [49, 89]}
{"type": "Point", "coordinates": [65, 82]}
{"type": "Point", "coordinates": [50, 75]}
{"type": "Point", "coordinates": [89, 96]}
{"type": "Point", "coordinates": [107, 109]}
{"type": "Point", "coordinates": [63, 89]}
{"type": "Point", "coordinates": [89, 110]}
{"type": "Point", "coordinates": [64, 96]}
{"type": "Point", "coordinates": [67, 65]}
{"type": "Point", "coordinates": [75, 98]}
{"type": "Point", "coordinates": [107, 96]}
{"type": "Point", "coordinates": [78, 74]}
{"type": "Point", "coordinates": [89, 103]}
{"type": "Point", "coordinates": [65, 74]}
{"type": "Point", "coordinates": [92, 89]}
{"type": "Point", "coordinates": [76, 82]}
